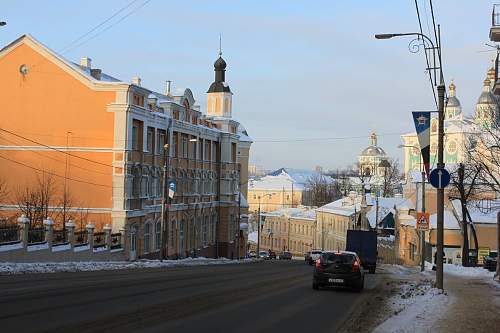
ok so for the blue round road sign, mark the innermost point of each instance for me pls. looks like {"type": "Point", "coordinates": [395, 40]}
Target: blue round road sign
{"type": "Point", "coordinates": [439, 178]}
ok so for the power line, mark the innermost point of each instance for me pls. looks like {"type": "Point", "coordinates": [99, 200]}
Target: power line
{"type": "Point", "coordinates": [55, 159]}
{"type": "Point", "coordinates": [108, 27]}
{"type": "Point", "coordinates": [322, 139]}
{"type": "Point", "coordinates": [426, 57]}
{"type": "Point", "coordinates": [63, 50]}
{"type": "Point", "coordinates": [52, 173]}
{"type": "Point", "coordinates": [63, 152]}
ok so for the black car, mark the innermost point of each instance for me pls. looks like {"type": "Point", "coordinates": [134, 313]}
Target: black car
{"type": "Point", "coordinates": [342, 268]}
{"type": "Point", "coordinates": [272, 255]}
{"type": "Point", "coordinates": [490, 261]}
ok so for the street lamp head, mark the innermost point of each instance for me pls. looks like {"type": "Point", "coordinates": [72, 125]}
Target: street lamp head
{"type": "Point", "coordinates": [401, 146]}
{"type": "Point", "coordinates": [193, 140]}
{"type": "Point", "coordinates": [165, 146]}
{"type": "Point", "coordinates": [384, 36]}
{"type": "Point", "coordinates": [2, 23]}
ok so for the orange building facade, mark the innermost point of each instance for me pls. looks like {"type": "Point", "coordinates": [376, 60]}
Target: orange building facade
{"type": "Point", "coordinates": [77, 144]}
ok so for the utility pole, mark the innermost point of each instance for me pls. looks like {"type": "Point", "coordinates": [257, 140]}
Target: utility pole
{"type": "Point", "coordinates": [376, 215]}
{"type": "Point", "coordinates": [258, 230]}
{"type": "Point", "coordinates": [440, 191]}
{"type": "Point", "coordinates": [164, 204]}
{"type": "Point", "coordinates": [239, 215]}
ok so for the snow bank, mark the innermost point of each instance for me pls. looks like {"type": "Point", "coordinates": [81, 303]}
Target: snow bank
{"type": "Point", "coordinates": [397, 269]}
{"type": "Point", "coordinates": [416, 307]}
{"type": "Point", "coordinates": [84, 266]}
{"type": "Point", "coordinates": [467, 271]}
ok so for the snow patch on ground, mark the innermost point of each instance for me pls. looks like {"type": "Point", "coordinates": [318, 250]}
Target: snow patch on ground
{"type": "Point", "coordinates": [467, 271]}
{"type": "Point", "coordinates": [416, 307]}
{"type": "Point", "coordinates": [55, 267]}
{"type": "Point", "coordinates": [397, 269]}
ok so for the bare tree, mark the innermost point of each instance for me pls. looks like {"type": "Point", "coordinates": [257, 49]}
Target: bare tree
{"type": "Point", "coordinates": [3, 190]}
{"type": "Point", "coordinates": [319, 191]}
{"type": "Point", "coordinates": [483, 149]}
{"type": "Point", "coordinates": [34, 199]}
{"type": "Point", "coordinates": [464, 186]}
{"type": "Point", "coordinates": [391, 177]}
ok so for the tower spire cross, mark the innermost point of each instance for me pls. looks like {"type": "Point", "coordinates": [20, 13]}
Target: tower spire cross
{"type": "Point", "coordinates": [220, 44]}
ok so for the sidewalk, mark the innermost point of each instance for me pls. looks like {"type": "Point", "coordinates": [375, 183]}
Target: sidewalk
{"type": "Point", "coordinates": [470, 303]}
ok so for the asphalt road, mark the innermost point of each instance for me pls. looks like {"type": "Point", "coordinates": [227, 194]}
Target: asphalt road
{"type": "Point", "coordinates": [259, 297]}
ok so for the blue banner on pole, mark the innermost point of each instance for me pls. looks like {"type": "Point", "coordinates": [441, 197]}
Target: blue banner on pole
{"type": "Point", "coordinates": [422, 120]}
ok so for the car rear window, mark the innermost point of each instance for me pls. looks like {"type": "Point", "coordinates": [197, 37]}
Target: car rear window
{"type": "Point", "coordinates": [338, 258]}
{"type": "Point", "coordinates": [316, 252]}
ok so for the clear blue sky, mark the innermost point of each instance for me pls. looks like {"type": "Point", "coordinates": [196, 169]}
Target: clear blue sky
{"type": "Point", "coordinates": [298, 69]}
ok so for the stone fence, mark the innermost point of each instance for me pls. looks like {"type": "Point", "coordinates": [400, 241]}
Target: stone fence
{"type": "Point", "coordinates": [20, 243]}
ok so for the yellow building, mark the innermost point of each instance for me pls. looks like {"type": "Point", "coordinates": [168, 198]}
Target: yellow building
{"type": "Point", "coordinates": [289, 229]}
{"type": "Point", "coordinates": [275, 191]}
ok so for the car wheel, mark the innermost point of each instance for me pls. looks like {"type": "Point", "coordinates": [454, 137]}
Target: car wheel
{"type": "Point", "coordinates": [315, 286]}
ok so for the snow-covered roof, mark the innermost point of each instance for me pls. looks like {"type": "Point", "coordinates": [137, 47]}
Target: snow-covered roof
{"type": "Point", "coordinates": [275, 182]}
{"type": "Point", "coordinates": [243, 201]}
{"type": "Point", "coordinates": [389, 202]}
{"type": "Point", "coordinates": [406, 219]}
{"type": "Point", "coordinates": [477, 210]}
{"type": "Point", "coordinates": [344, 207]}
{"type": "Point", "coordinates": [242, 132]}
{"type": "Point", "coordinates": [301, 212]}
{"type": "Point", "coordinates": [252, 237]}
{"type": "Point", "coordinates": [450, 221]}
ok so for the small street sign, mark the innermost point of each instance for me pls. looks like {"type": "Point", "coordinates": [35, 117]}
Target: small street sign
{"type": "Point", "coordinates": [439, 178]}
{"type": "Point", "coordinates": [422, 221]}
{"type": "Point", "coordinates": [172, 186]}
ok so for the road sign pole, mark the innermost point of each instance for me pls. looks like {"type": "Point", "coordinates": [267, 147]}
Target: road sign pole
{"type": "Point", "coordinates": [422, 233]}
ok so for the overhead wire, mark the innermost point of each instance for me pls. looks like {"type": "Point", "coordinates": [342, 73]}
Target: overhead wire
{"type": "Point", "coordinates": [426, 57]}
{"type": "Point", "coordinates": [55, 149]}
{"type": "Point", "coordinates": [53, 173]}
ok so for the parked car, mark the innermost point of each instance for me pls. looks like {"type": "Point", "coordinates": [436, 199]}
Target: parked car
{"type": "Point", "coordinates": [264, 255]}
{"type": "Point", "coordinates": [252, 254]}
{"type": "Point", "coordinates": [285, 255]}
{"type": "Point", "coordinates": [272, 255]}
{"type": "Point", "coordinates": [313, 256]}
{"type": "Point", "coordinates": [490, 261]}
{"type": "Point", "coordinates": [341, 268]}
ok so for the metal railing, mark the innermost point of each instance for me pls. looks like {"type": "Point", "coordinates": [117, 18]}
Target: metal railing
{"type": "Point", "coordinates": [9, 234]}
{"type": "Point", "coordinates": [81, 237]}
{"type": "Point", "coordinates": [58, 237]}
{"type": "Point", "coordinates": [116, 241]}
{"type": "Point", "coordinates": [99, 239]}
{"type": "Point", "coordinates": [36, 235]}
{"type": "Point", "coordinates": [495, 16]}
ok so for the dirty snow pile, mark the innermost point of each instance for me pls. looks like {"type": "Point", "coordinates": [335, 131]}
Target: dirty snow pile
{"type": "Point", "coordinates": [84, 266]}
{"type": "Point", "coordinates": [467, 271]}
{"type": "Point", "coordinates": [415, 306]}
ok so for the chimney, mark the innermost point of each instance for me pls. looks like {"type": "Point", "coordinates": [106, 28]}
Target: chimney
{"type": "Point", "coordinates": [167, 90]}
{"type": "Point", "coordinates": [136, 80]}
{"type": "Point", "coordinates": [86, 62]}
{"type": "Point", "coordinates": [96, 73]}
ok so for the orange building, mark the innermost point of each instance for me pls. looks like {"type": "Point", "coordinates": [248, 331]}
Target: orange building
{"type": "Point", "coordinates": [76, 143]}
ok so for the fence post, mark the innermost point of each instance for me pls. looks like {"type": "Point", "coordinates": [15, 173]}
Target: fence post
{"type": "Point", "coordinates": [49, 231]}
{"type": "Point", "coordinates": [107, 236]}
{"type": "Point", "coordinates": [24, 225]}
{"type": "Point", "coordinates": [70, 229]}
{"type": "Point", "coordinates": [90, 235]}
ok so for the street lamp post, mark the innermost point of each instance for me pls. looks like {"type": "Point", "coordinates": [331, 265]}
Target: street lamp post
{"type": "Point", "coordinates": [258, 221]}
{"type": "Point", "coordinates": [440, 164]}
{"type": "Point", "coordinates": [164, 203]}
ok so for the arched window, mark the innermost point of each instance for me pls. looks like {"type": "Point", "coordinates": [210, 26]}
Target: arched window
{"type": "Point", "coordinates": [136, 182]}
{"type": "Point", "coordinates": [158, 235]}
{"type": "Point", "coordinates": [147, 237]}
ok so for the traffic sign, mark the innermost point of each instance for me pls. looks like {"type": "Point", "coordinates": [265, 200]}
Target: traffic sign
{"type": "Point", "coordinates": [439, 178]}
{"type": "Point", "coordinates": [422, 221]}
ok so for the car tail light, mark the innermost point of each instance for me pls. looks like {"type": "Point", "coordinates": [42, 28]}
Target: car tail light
{"type": "Point", "coordinates": [318, 263]}
{"type": "Point", "coordinates": [355, 266]}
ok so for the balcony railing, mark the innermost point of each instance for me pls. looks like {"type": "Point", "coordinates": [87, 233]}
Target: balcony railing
{"type": "Point", "coordinates": [36, 235]}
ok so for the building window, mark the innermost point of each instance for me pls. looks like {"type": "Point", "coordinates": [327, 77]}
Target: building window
{"type": "Point", "coordinates": [207, 150]}
{"type": "Point", "coordinates": [135, 137]}
{"type": "Point", "coordinates": [184, 146]}
{"type": "Point", "coordinates": [205, 231]}
{"type": "Point", "coordinates": [161, 142]}
{"type": "Point", "coordinates": [147, 237]}
{"type": "Point", "coordinates": [138, 99]}
{"type": "Point", "coordinates": [150, 140]}
{"type": "Point", "coordinates": [233, 152]}
{"type": "Point", "coordinates": [174, 145]}
{"type": "Point", "coordinates": [158, 235]}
